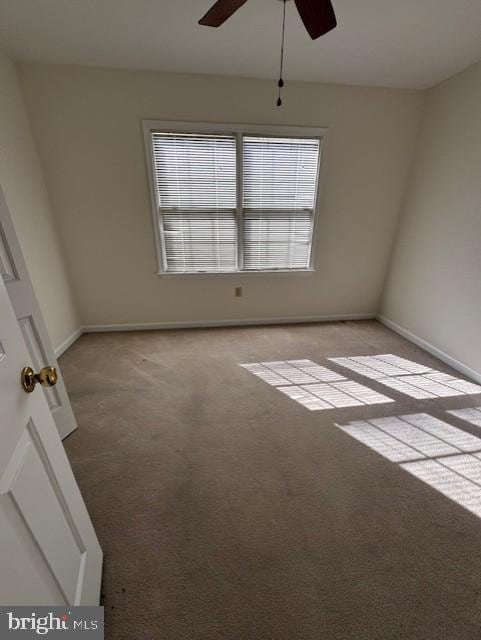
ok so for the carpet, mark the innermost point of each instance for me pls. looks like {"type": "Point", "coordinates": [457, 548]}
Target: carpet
{"type": "Point", "coordinates": [226, 510]}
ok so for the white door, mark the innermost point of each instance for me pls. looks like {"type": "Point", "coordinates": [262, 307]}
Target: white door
{"type": "Point", "coordinates": [27, 311]}
{"type": "Point", "coordinates": [49, 553]}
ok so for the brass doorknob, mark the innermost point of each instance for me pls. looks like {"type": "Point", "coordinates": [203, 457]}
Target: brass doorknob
{"type": "Point", "coordinates": [47, 376]}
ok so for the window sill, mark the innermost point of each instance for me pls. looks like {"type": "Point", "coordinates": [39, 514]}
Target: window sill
{"type": "Point", "coordinates": [237, 274]}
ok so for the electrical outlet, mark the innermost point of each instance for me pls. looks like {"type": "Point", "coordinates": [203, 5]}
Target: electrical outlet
{"type": "Point", "coordinates": [238, 292]}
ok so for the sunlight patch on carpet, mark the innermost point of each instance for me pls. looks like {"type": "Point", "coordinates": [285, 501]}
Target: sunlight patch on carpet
{"type": "Point", "coordinates": [314, 386]}
{"type": "Point", "coordinates": [408, 377]}
{"type": "Point", "coordinates": [449, 482]}
{"type": "Point", "coordinates": [432, 450]}
{"type": "Point", "coordinates": [473, 416]}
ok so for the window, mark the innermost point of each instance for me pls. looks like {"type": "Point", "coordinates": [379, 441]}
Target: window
{"type": "Point", "coordinates": [228, 202]}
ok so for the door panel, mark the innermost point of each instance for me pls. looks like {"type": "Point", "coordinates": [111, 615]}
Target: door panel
{"type": "Point", "coordinates": [57, 537]}
{"type": "Point", "coordinates": [15, 275]}
{"type": "Point", "coordinates": [7, 268]}
{"type": "Point", "coordinates": [26, 578]}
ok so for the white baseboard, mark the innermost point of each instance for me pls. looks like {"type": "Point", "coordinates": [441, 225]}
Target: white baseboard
{"type": "Point", "coordinates": [434, 351]}
{"type": "Point", "coordinates": [149, 326]}
{"type": "Point", "coordinates": [68, 342]}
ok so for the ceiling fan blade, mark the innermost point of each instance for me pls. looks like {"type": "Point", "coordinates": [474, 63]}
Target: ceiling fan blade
{"type": "Point", "coordinates": [220, 11]}
{"type": "Point", "coordinates": [317, 15]}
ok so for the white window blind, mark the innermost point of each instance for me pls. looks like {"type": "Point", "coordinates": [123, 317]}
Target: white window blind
{"type": "Point", "coordinates": [279, 193]}
{"type": "Point", "coordinates": [208, 222]}
{"type": "Point", "coordinates": [195, 178]}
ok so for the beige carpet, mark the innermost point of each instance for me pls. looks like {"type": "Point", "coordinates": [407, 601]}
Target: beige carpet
{"type": "Point", "coordinates": [228, 511]}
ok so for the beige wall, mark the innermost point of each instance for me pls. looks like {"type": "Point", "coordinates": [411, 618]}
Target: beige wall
{"type": "Point", "coordinates": [434, 285]}
{"type": "Point", "coordinates": [87, 123]}
{"type": "Point", "coordinates": [26, 196]}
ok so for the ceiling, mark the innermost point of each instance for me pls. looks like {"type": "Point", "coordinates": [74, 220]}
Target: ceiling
{"type": "Point", "coordinates": [395, 43]}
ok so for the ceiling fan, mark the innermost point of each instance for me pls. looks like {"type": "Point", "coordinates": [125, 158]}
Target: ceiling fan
{"type": "Point", "coordinates": [317, 15]}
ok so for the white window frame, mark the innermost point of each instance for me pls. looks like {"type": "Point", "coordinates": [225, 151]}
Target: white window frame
{"type": "Point", "coordinates": [238, 130]}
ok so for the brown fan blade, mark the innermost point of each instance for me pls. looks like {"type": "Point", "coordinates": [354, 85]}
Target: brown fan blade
{"type": "Point", "coordinates": [317, 15]}
{"type": "Point", "coordinates": [220, 11]}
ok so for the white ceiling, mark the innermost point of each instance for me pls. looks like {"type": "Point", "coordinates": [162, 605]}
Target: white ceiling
{"type": "Point", "coordinates": [397, 43]}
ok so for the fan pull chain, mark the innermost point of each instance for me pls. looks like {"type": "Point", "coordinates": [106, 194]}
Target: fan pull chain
{"type": "Point", "coordinates": [280, 83]}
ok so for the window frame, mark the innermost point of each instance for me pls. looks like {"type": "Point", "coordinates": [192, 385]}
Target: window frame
{"type": "Point", "coordinates": [237, 130]}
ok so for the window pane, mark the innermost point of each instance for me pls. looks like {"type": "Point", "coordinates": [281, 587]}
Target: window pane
{"type": "Point", "coordinates": [200, 242]}
{"type": "Point", "coordinates": [195, 176]}
{"type": "Point", "coordinates": [280, 173]}
{"type": "Point", "coordinates": [279, 193]}
{"type": "Point", "coordinates": [195, 171]}
{"type": "Point", "coordinates": [277, 241]}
